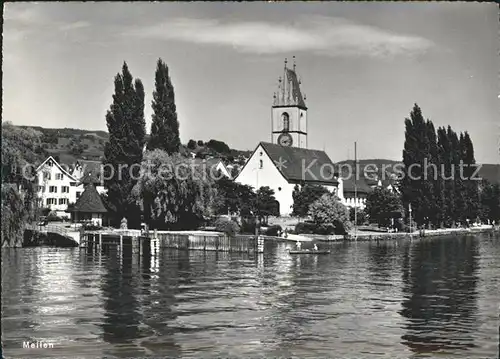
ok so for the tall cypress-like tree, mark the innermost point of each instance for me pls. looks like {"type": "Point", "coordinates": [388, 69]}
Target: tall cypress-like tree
{"type": "Point", "coordinates": [470, 185]}
{"type": "Point", "coordinates": [164, 126]}
{"type": "Point", "coordinates": [432, 185]}
{"type": "Point", "coordinates": [416, 147]}
{"type": "Point", "coordinates": [453, 183]}
{"type": "Point", "coordinates": [443, 148]}
{"type": "Point", "coordinates": [123, 151]}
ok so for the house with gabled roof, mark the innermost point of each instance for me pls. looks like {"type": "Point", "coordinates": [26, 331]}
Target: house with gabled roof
{"type": "Point", "coordinates": [56, 186]}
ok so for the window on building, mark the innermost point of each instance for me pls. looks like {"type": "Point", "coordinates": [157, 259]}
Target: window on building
{"type": "Point", "coordinates": [52, 189]}
{"type": "Point", "coordinates": [51, 201]}
{"type": "Point", "coordinates": [65, 189]}
{"type": "Point", "coordinates": [261, 164]}
{"type": "Point", "coordinates": [78, 194]}
{"type": "Point", "coordinates": [41, 189]}
{"type": "Point", "coordinates": [46, 176]}
{"type": "Point", "coordinates": [286, 121]}
{"type": "Point", "coordinates": [59, 176]}
{"type": "Point", "coordinates": [63, 201]}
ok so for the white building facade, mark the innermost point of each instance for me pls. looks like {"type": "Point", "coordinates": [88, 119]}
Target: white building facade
{"type": "Point", "coordinates": [57, 188]}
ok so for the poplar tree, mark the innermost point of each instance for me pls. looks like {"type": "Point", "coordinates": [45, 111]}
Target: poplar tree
{"type": "Point", "coordinates": [164, 126]}
{"type": "Point", "coordinates": [470, 185]}
{"type": "Point", "coordinates": [443, 148]}
{"type": "Point", "coordinates": [123, 151]}
{"type": "Point", "coordinates": [453, 184]}
{"type": "Point", "coordinates": [432, 173]}
{"type": "Point", "coordinates": [416, 146]}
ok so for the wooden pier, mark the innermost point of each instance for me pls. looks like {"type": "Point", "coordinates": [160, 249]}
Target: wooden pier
{"type": "Point", "coordinates": [138, 242]}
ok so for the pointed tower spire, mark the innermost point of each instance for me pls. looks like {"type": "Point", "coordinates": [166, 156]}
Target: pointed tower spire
{"type": "Point", "coordinates": [293, 63]}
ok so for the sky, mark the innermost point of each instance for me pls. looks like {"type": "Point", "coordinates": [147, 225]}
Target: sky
{"type": "Point", "coordinates": [362, 66]}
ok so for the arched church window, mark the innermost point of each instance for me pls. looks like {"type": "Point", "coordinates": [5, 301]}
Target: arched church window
{"type": "Point", "coordinates": [286, 121]}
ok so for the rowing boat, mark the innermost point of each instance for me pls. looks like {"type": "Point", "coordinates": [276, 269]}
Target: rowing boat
{"type": "Point", "coordinates": [309, 252]}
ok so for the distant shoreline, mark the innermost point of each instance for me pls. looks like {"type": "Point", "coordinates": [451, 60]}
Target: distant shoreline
{"type": "Point", "coordinates": [427, 233]}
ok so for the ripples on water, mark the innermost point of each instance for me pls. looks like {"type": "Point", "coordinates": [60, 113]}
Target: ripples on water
{"type": "Point", "coordinates": [430, 298]}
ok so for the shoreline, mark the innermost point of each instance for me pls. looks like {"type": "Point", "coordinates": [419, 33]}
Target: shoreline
{"type": "Point", "coordinates": [421, 234]}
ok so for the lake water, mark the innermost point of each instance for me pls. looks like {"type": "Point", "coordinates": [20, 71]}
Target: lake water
{"type": "Point", "coordinates": [429, 298]}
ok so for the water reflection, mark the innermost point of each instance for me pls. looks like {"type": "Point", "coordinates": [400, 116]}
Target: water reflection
{"type": "Point", "coordinates": [440, 295]}
{"type": "Point", "coordinates": [386, 300]}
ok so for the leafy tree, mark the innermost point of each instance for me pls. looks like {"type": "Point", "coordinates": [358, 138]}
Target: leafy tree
{"type": "Point", "coordinates": [234, 198]}
{"type": "Point", "coordinates": [201, 143]}
{"type": "Point", "coordinates": [266, 204]}
{"type": "Point", "coordinates": [124, 149]}
{"type": "Point", "coordinates": [77, 150]}
{"type": "Point", "coordinates": [382, 205]}
{"type": "Point", "coordinates": [174, 194]}
{"type": "Point", "coordinates": [329, 211]}
{"type": "Point", "coordinates": [227, 226]}
{"type": "Point", "coordinates": [20, 153]}
{"type": "Point", "coordinates": [218, 146]}
{"type": "Point", "coordinates": [361, 216]}
{"type": "Point", "coordinates": [304, 196]}
{"type": "Point", "coordinates": [164, 126]}
{"type": "Point", "coordinates": [490, 202]}
{"type": "Point", "coordinates": [191, 144]}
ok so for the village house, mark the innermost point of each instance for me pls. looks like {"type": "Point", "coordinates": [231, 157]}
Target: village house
{"type": "Point", "coordinates": [56, 187]}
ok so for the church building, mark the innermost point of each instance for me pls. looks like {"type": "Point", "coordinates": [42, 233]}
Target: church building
{"type": "Point", "coordinates": [287, 161]}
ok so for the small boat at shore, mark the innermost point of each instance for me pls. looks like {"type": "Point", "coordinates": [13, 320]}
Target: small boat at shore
{"type": "Point", "coordinates": [308, 252]}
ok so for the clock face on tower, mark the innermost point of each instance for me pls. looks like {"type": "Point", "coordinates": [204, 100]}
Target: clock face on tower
{"type": "Point", "coordinates": [285, 139]}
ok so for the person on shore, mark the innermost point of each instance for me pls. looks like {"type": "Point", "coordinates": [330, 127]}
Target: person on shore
{"type": "Point", "coordinates": [299, 245]}
{"type": "Point", "coordinates": [315, 247]}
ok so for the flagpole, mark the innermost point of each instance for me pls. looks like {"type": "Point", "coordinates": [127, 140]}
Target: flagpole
{"type": "Point", "coordinates": [355, 193]}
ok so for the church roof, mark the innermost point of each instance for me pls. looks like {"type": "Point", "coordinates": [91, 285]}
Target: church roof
{"type": "Point", "coordinates": [361, 184]}
{"type": "Point", "coordinates": [299, 165]}
{"type": "Point", "coordinates": [89, 201]}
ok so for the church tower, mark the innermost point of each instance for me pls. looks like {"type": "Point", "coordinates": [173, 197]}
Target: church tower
{"type": "Point", "coordinates": [289, 111]}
